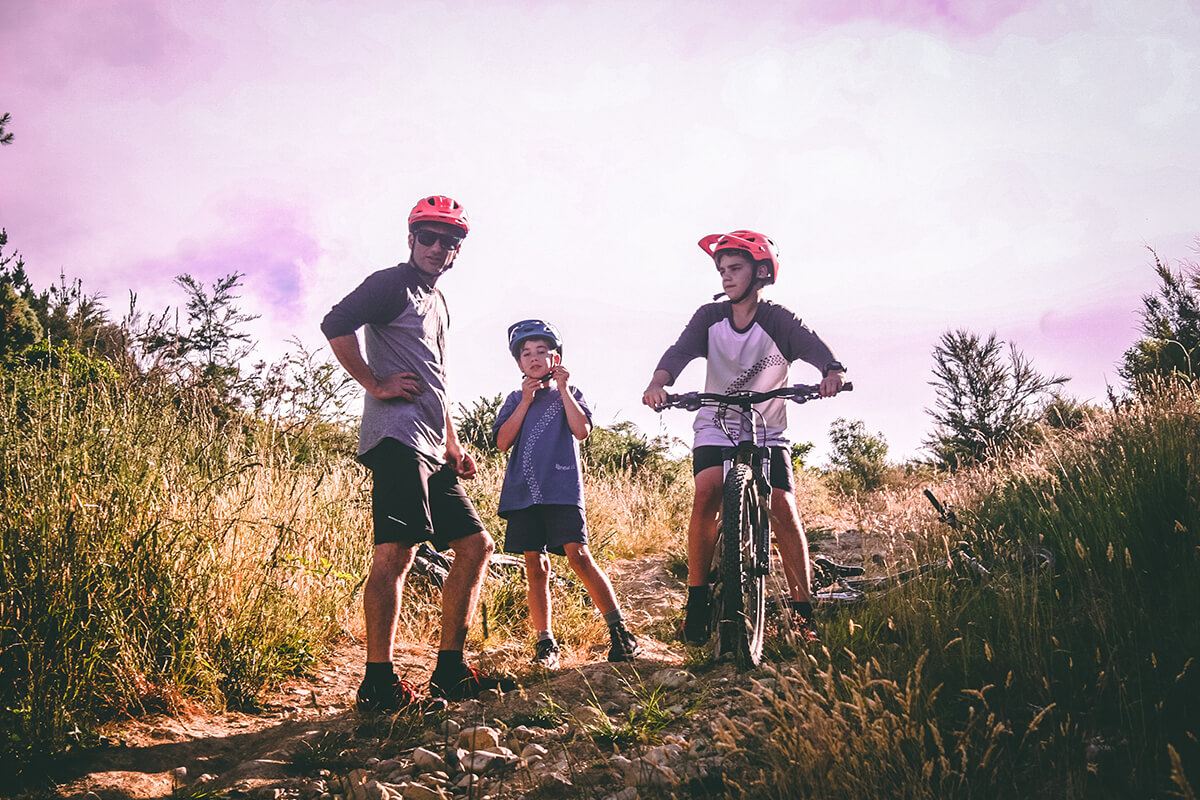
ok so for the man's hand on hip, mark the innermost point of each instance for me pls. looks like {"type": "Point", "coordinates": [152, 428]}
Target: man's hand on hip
{"type": "Point", "coordinates": [397, 386]}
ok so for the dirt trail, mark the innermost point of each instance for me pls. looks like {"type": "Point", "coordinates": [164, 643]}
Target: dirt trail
{"type": "Point", "coordinates": [248, 753]}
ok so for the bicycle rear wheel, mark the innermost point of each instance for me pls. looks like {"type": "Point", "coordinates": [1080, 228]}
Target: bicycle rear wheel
{"type": "Point", "coordinates": [743, 588]}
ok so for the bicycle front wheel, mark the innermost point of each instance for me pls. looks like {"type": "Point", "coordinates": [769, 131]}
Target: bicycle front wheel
{"type": "Point", "coordinates": [743, 601]}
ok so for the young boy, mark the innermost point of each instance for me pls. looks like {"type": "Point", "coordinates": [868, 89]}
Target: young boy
{"type": "Point", "coordinates": [749, 344]}
{"type": "Point", "coordinates": [542, 497]}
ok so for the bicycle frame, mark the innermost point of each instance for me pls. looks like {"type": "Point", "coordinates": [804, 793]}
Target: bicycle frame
{"type": "Point", "coordinates": [739, 608]}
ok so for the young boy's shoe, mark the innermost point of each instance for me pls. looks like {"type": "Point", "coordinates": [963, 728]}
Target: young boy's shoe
{"type": "Point", "coordinates": [465, 683]}
{"type": "Point", "coordinates": [624, 646]}
{"type": "Point", "coordinates": [545, 654]}
{"type": "Point", "coordinates": [399, 695]}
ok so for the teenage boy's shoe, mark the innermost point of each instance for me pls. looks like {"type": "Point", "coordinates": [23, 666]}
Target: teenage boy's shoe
{"type": "Point", "coordinates": [624, 646]}
{"type": "Point", "coordinates": [465, 683]}
{"type": "Point", "coordinates": [545, 654]}
{"type": "Point", "coordinates": [805, 629]}
{"type": "Point", "coordinates": [399, 695]}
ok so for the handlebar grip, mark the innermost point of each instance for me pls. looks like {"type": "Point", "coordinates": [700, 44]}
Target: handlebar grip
{"type": "Point", "coordinates": [847, 387]}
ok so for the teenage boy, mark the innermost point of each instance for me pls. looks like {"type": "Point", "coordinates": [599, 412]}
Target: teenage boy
{"type": "Point", "coordinates": [542, 496]}
{"type": "Point", "coordinates": [749, 344]}
{"type": "Point", "coordinates": [407, 439]}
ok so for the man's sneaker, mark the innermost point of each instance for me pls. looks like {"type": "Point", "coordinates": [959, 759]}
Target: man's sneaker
{"type": "Point", "coordinates": [696, 630]}
{"type": "Point", "coordinates": [465, 683]}
{"type": "Point", "coordinates": [545, 654]}
{"type": "Point", "coordinates": [624, 646]}
{"type": "Point", "coordinates": [399, 695]}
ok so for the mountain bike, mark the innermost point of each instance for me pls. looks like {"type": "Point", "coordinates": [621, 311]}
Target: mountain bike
{"type": "Point", "coordinates": [836, 584]}
{"type": "Point", "coordinates": [742, 556]}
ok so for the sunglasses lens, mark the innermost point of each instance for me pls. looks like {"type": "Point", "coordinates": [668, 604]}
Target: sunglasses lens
{"type": "Point", "coordinates": [427, 239]}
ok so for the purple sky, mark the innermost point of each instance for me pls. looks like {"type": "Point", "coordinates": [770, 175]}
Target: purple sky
{"type": "Point", "coordinates": [996, 166]}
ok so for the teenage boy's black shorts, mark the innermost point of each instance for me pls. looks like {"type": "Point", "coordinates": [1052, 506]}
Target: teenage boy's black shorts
{"type": "Point", "coordinates": [545, 527]}
{"type": "Point", "coordinates": [415, 499]}
{"type": "Point", "coordinates": [781, 464]}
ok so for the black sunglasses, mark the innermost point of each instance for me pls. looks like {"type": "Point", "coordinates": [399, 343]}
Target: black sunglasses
{"type": "Point", "coordinates": [427, 238]}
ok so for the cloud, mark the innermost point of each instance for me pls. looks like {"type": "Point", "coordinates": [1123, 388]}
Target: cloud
{"type": "Point", "coordinates": [269, 246]}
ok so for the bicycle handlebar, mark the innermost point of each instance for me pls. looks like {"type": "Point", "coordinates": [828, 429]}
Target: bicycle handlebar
{"type": "Point", "coordinates": [693, 401]}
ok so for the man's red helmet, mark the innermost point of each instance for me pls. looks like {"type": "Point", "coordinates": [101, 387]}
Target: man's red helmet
{"type": "Point", "coordinates": [754, 244]}
{"type": "Point", "coordinates": [438, 208]}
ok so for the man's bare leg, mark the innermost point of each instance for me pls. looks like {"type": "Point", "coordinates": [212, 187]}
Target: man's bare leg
{"type": "Point", "coordinates": [381, 597]}
{"type": "Point", "coordinates": [460, 593]}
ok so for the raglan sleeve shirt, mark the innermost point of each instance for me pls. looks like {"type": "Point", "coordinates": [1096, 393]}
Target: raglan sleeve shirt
{"type": "Point", "coordinates": [756, 359]}
{"type": "Point", "coordinates": [405, 331]}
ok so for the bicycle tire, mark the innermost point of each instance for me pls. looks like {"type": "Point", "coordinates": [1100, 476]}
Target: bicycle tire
{"type": "Point", "coordinates": [743, 619]}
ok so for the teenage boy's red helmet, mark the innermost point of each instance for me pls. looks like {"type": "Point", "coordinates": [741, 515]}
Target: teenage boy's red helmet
{"type": "Point", "coordinates": [754, 244]}
{"type": "Point", "coordinates": [438, 208]}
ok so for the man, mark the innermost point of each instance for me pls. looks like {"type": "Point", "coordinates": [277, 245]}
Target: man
{"type": "Point", "coordinates": [409, 443]}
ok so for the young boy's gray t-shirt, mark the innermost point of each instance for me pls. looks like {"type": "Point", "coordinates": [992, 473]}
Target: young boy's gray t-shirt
{"type": "Point", "coordinates": [543, 467]}
{"type": "Point", "coordinates": [406, 323]}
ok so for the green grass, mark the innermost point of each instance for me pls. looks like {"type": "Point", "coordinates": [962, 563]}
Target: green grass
{"type": "Point", "coordinates": [1084, 685]}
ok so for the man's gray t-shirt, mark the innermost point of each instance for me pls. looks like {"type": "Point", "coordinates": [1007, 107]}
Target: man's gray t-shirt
{"type": "Point", "coordinates": [406, 322]}
{"type": "Point", "coordinates": [543, 467]}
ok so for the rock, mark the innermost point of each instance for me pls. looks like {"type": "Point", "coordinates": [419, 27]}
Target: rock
{"type": "Point", "coordinates": [554, 783]}
{"type": "Point", "coordinates": [481, 761]}
{"type": "Point", "coordinates": [428, 760]}
{"type": "Point", "coordinates": [522, 733]}
{"type": "Point", "coordinates": [534, 749]}
{"type": "Point", "coordinates": [415, 791]}
{"type": "Point", "coordinates": [479, 737]}
{"type": "Point", "coordinates": [470, 709]}
{"type": "Point", "coordinates": [628, 793]}
{"type": "Point", "coordinates": [450, 728]}
{"type": "Point", "coordinates": [673, 678]}
{"type": "Point", "coordinates": [589, 716]}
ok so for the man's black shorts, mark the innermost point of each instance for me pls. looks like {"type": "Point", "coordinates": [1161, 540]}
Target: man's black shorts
{"type": "Point", "coordinates": [415, 499]}
{"type": "Point", "coordinates": [781, 464]}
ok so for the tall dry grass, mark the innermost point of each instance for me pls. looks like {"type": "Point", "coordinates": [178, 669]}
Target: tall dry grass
{"type": "Point", "coordinates": [152, 550]}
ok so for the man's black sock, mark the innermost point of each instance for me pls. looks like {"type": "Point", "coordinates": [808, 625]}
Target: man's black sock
{"type": "Point", "coordinates": [450, 661]}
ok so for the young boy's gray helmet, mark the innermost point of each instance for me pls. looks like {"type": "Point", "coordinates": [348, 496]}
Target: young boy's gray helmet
{"type": "Point", "coordinates": [518, 332]}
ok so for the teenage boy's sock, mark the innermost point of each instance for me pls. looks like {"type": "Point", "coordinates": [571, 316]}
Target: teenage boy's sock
{"type": "Point", "coordinates": [614, 618]}
{"type": "Point", "coordinates": [544, 635]}
{"type": "Point", "coordinates": [697, 600]}
{"type": "Point", "coordinates": [802, 608]}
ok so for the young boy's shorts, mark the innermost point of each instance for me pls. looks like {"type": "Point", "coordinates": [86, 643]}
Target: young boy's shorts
{"type": "Point", "coordinates": [545, 527]}
{"type": "Point", "coordinates": [781, 464]}
{"type": "Point", "coordinates": [414, 499]}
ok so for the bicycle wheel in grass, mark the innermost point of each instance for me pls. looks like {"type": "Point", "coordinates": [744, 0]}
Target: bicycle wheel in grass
{"type": "Point", "coordinates": [744, 587]}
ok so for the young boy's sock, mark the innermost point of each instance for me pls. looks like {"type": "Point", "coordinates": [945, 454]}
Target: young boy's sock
{"type": "Point", "coordinates": [802, 608]}
{"type": "Point", "coordinates": [614, 618]}
{"type": "Point", "coordinates": [544, 635]}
